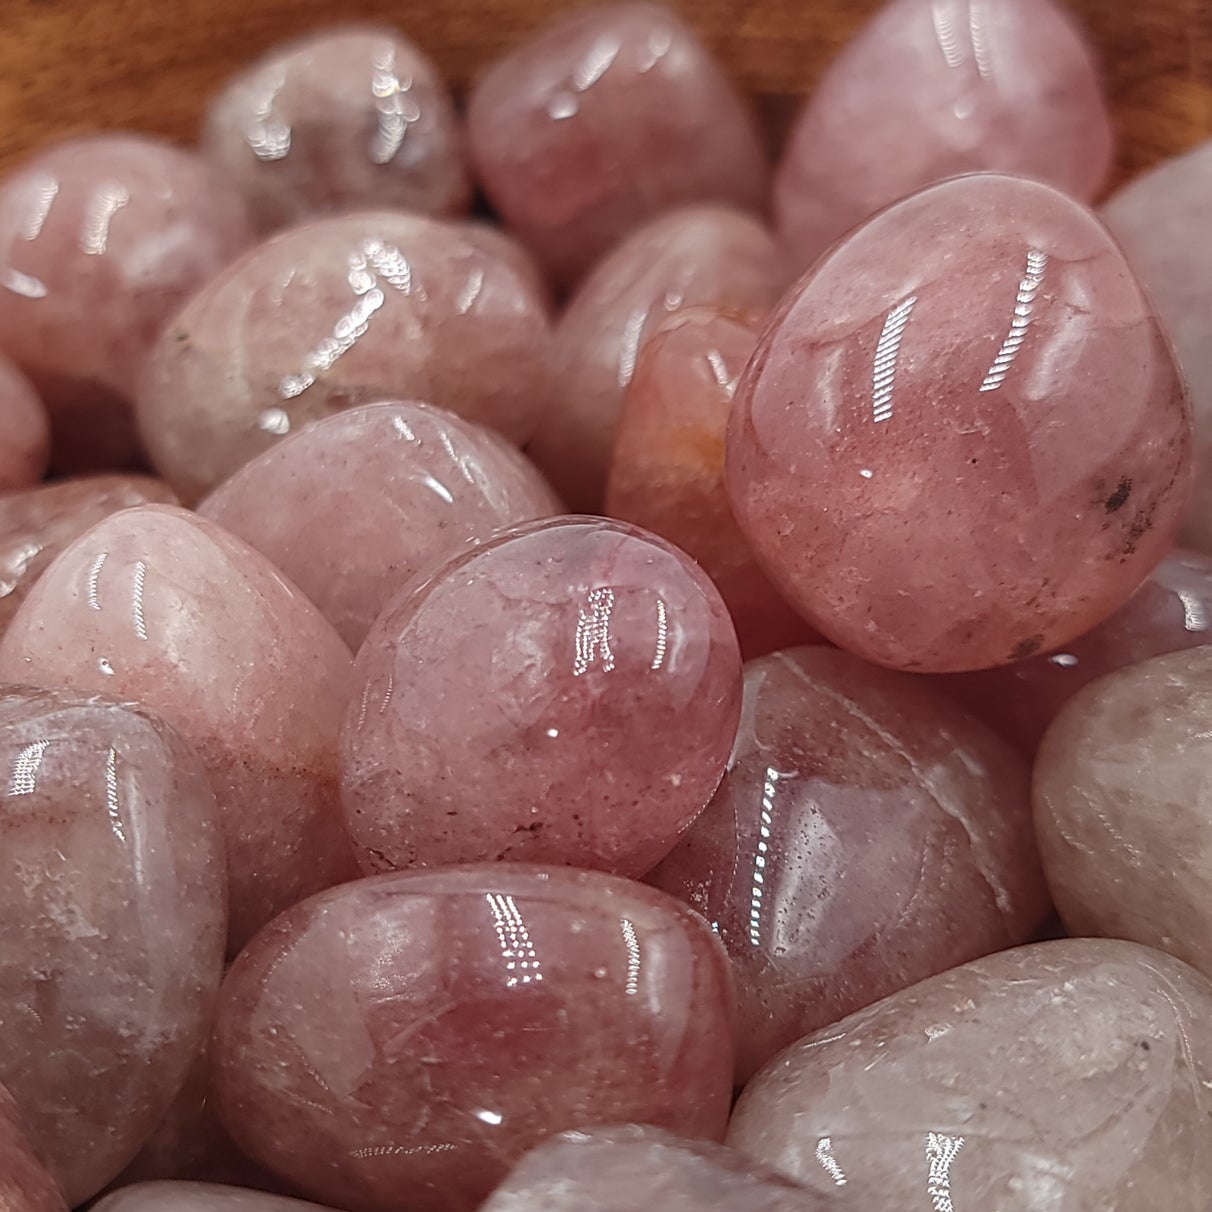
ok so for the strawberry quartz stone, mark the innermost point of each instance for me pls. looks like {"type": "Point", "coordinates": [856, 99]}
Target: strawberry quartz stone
{"type": "Point", "coordinates": [963, 437]}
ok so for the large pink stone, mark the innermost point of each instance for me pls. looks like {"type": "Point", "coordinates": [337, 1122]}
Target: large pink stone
{"type": "Point", "coordinates": [568, 692]}
{"type": "Point", "coordinates": [36, 525]}
{"type": "Point", "coordinates": [24, 430]}
{"type": "Point", "coordinates": [113, 920]}
{"type": "Point", "coordinates": [608, 117]}
{"type": "Point", "coordinates": [25, 1183]}
{"type": "Point", "coordinates": [667, 471]}
{"type": "Point", "coordinates": [962, 438]}
{"type": "Point", "coordinates": [1172, 610]}
{"type": "Point", "coordinates": [867, 834]}
{"type": "Point", "coordinates": [935, 88]}
{"type": "Point", "coordinates": [197, 1197]}
{"type": "Point", "coordinates": [621, 1169]}
{"type": "Point", "coordinates": [1066, 1075]}
{"type": "Point", "coordinates": [355, 506]}
{"type": "Point", "coordinates": [101, 239]}
{"type": "Point", "coordinates": [399, 1042]}
{"type": "Point", "coordinates": [343, 311]}
{"type": "Point", "coordinates": [695, 255]}
{"type": "Point", "coordinates": [160, 606]}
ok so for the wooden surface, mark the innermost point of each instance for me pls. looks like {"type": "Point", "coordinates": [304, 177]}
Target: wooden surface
{"type": "Point", "coordinates": [74, 65]}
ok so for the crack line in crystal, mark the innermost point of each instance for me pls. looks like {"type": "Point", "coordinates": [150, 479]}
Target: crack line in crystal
{"type": "Point", "coordinates": [1024, 305]}
{"type": "Point", "coordinates": [886, 353]}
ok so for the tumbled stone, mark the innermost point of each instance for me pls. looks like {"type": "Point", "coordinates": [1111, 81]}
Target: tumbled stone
{"type": "Point", "coordinates": [567, 692]}
{"type": "Point", "coordinates": [1172, 610]}
{"type": "Point", "coordinates": [401, 1041]}
{"type": "Point", "coordinates": [962, 439]}
{"type": "Point", "coordinates": [101, 239]}
{"type": "Point", "coordinates": [113, 920]}
{"type": "Point", "coordinates": [158, 605]}
{"type": "Point", "coordinates": [1123, 807]}
{"type": "Point", "coordinates": [24, 430]}
{"type": "Point", "coordinates": [1064, 1075]}
{"type": "Point", "coordinates": [868, 834]}
{"type": "Point", "coordinates": [355, 506]}
{"type": "Point", "coordinates": [197, 1197]}
{"type": "Point", "coordinates": [345, 118]}
{"type": "Point", "coordinates": [500, 244]}
{"type": "Point", "coordinates": [630, 1167]}
{"type": "Point", "coordinates": [697, 255]}
{"type": "Point", "coordinates": [25, 1183]}
{"type": "Point", "coordinates": [934, 88]}
{"type": "Point", "coordinates": [667, 471]}
{"type": "Point", "coordinates": [606, 118]}
{"type": "Point", "coordinates": [36, 525]}
{"type": "Point", "coordinates": [340, 312]}
{"type": "Point", "coordinates": [1162, 220]}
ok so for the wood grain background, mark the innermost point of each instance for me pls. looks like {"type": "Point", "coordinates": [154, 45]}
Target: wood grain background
{"type": "Point", "coordinates": [74, 65]}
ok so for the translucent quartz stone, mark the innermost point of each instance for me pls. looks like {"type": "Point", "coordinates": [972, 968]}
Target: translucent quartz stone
{"type": "Point", "coordinates": [25, 1183]}
{"type": "Point", "coordinates": [934, 88]}
{"type": "Point", "coordinates": [343, 311]}
{"type": "Point", "coordinates": [344, 118]}
{"type": "Point", "coordinates": [606, 118]}
{"type": "Point", "coordinates": [197, 1197]}
{"type": "Point", "coordinates": [1162, 221]}
{"type": "Point", "coordinates": [512, 251]}
{"type": "Point", "coordinates": [36, 525]}
{"type": "Point", "coordinates": [667, 472]}
{"type": "Point", "coordinates": [702, 254]}
{"type": "Point", "coordinates": [113, 920]}
{"type": "Point", "coordinates": [867, 834]}
{"type": "Point", "coordinates": [1069, 1075]}
{"type": "Point", "coordinates": [24, 430]}
{"type": "Point", "coordinates": [101, 238]}
{"type": "Point", "coordinates": [962, 439]}
{"type": "Point", "coordinates": [353, 507]}
{"type": "Point", "coordinates": [160, 606]}
{"type": "Point", "coordinates": [567, 692]}
{"type": "Point", "coordinates": [401, 1041]}
{"type": "Point", "coordinates": [1170, 611]}
{"type": "Point", "coordinates": [622, 1169]}
{"type": "Point", "coordinates": [1123, 807]}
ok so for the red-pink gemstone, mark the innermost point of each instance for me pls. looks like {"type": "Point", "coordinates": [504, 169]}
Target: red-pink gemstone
{"type": "Point", "coordinates": [25, 1183]}
{"type": "Point", "coordinates": [606, 118]}
{"type": "Point", "coordinates": [401, 1041]}
{"type": "Point", "coordinates": [355, 506]}
{"type": "Point", "coordinates": [24, 430]}
{"type": "Point", "coordinates": [934, 88]}
{"type": "Point", "coordinates": [963, 438]}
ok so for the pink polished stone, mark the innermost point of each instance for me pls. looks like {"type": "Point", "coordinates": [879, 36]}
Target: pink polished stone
{"type": "Point", "coordinates": [500, 244]}
{"type": "Point", "coordinates": [101, 239]}
{"type": "Point", "coordinates": [353, 507]}
{"type": "Point", "coordinates": [1170, 611]}
{"type": "Point", "coordinates": [399, 1042]}
{"type": "Point", "coordinates": [25, 1183]}
{"type": "Point", "coordinates": [344, 118]}
{"type": "Point", "coordinates": [160, 606]}
{"type": "Point", "coordinates": [610, 116]}
{"type": "Point", "coordinates": [633, 1167]}
{"type": "Point", "coordinates": [698, 255]}
{"type": "Point", "coordinates": [1123, 806]}
{"type": "Point", "coordinates": [867, 834]}
{"type": "Point", "coordinates": [1067, 1075]}
{"type": "Point", "coordinates": [113, 919]}
{"type": "Point", "coordinates": [24, 430]}
{"type": "Point", "coordinates": [568, 692]}
{"type": "Point", "coordinates": [197, 1197]}
{"type": "Point", "coordinates": [935, 88]}
{"type": "Point", "coordinates": [963, 438]}
{"type": "Point", "coordinates": [1162, 220]}
{"type": "Point", "coordinates": [667, 473]}
{"type": "Point", "coordinates": [341, 312]}
{"type": "Point", "coordinates": [36, 525]}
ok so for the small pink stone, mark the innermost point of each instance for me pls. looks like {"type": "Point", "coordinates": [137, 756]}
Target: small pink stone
{"type": "Point", "coordinates": [568, 692]}
{"type": "Point", "coordinates": [341, 312]}
{"type": "Point", "coordinates": [101, 239]}
{"type": "Point", "coordinates": [198, 1197]}
{"type": "Point", "coordinates": [963, 438]}
{"type": "Point", "coordinates": [25, 1183]}
{"type": "Point", "coordinates": [24, 431]}
{"type": "Point", "coordinates": [606, 118]}
{"type": "Point", "coordinates": [697, 255]}
{"type": "Point", "coordinates": [934, 88]}
{"type": "Point", "coordinates": [355, 506]}
{"type": "Point", "coordinates": [158, 605]}
{"type": "Point", "coordinates": [343, 119]}
{"type": "Point", "coordinates": [401, 1041]}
